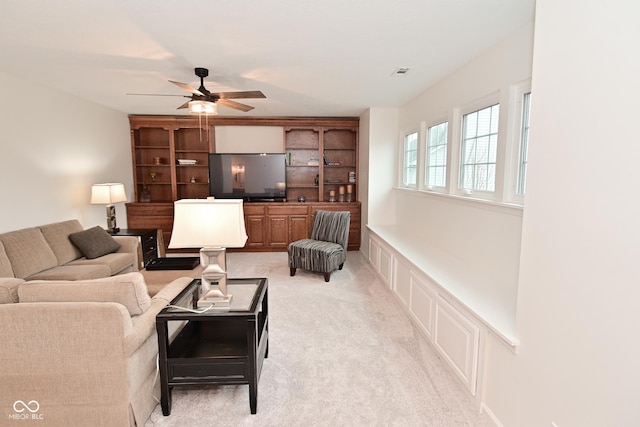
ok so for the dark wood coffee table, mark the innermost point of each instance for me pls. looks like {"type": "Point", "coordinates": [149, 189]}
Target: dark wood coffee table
{"type": "Point", "coordinates": [218, 346]}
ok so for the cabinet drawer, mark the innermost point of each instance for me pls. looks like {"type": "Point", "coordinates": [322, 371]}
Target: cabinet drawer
{"type": "Point", "coordinates": [288, 210]}
{"type": "Point", "coordinates": [250, 209]}
{"type": "Point", "coordinates": [179, 372]}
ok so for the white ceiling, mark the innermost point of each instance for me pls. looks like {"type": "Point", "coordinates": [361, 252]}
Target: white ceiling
{"type": "Point", "coordinates": [310, 58]}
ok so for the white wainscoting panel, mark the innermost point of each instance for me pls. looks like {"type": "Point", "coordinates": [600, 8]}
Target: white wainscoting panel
{"type": "Point", "coordinates": [374, 252]}
{"type": "Point", "coordinates": [402, 281]}
{"type": "Point", "coordinates": [422, 304]}
{"type": "Point", "coordinates": [457, 338]}
{"type": "Point", "coordinates": [385, 267]}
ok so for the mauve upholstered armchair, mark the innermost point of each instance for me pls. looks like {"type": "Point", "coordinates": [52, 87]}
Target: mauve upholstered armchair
{"type": "Point", "coordinates": [326, 250]}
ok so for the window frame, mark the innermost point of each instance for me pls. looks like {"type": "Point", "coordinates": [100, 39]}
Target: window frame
{"type": "Point", "coordinates": [507, 150]}
{"type": "Point", "coordinates": [517, 93]}
{"type": "Point", "coordinates": [427, 126]}
{"type": "Point", "coordinates": [403, 156]}
{"type": "Point", "coordinates": [471, 108]}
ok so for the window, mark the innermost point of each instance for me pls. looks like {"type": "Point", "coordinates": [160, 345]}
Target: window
{"type": "Point", "coordinates": [436, 170]}
{"type": "Point", "coordinates": [479, 149]}
{"type": "Point", "coordinates": [409, 176]}
{"type": "Point", "coordinates": [524, 143]}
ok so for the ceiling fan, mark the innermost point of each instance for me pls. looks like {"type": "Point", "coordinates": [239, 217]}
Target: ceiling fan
{"type": "Point", "coordinates": [218, 98]}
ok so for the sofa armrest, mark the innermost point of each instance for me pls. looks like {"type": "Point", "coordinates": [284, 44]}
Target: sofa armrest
{"type": "Point", "coordinates": [9, 289]}
{"type": "Point", "coordinates": [145, 324]}
{"type": "Point", "coordinates": [130, 244]}
{"type": "Point", "coordinates": [69, 357]}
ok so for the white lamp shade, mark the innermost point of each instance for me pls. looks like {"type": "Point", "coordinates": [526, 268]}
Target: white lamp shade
{"type": "Point", "coordinates": [108, 193]}
{"type": "Point", "coordinates": [210, 222]}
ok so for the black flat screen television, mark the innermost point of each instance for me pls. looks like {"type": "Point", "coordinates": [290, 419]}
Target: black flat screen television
{"type": "Point", "coordinates": [251, 177]}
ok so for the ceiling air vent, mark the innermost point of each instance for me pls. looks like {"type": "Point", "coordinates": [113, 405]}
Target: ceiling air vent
{"type": "Point", "coordinates": [400, 71]}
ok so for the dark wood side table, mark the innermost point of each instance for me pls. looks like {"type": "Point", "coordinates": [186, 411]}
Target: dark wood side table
{"type": "Point", "coordinates": [219, 346]}
{"type": "Point", "coordinates": [148, 243]}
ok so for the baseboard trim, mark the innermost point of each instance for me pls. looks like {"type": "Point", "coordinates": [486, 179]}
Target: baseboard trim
{"type": "Point", "coordinates": [484, 408]}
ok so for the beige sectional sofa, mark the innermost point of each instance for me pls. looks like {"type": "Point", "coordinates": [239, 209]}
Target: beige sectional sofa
{"type": "Point", "coordinates": [47, 253]}
{"type": "Point", "coordinates": [81, 353]}
{"type": "Point", "coordinates": [78, 340]}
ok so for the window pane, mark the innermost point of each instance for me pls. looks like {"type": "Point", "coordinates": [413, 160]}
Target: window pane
{"type": "Point", "coordinates": [524, 143]}
{"type": "Point", "coordinates": [409, 176]}
{"type": "Point", "coordinates": [479, 149]}
{"type": "Point", "coordinates": [436, 163]}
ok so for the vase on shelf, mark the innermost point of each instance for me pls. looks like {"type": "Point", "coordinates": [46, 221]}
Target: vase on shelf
{"type": "Point", "coordinates": [145, 194]}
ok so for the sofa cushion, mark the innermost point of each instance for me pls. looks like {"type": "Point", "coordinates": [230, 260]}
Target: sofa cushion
{"type": "Point", "coordinates": [117, 262]}
{"type": "Point", "coordinates": [94, 242]}
{"type": "Point", "coordinates": [72, 272]}
{"type": "Point", "coordinates": [28, 252]}
{"type": "Point", "coordinates": [57, 236]}
{"type": "Point", "coordinates": [128, 289]}
{"type": "Point", "coordinates": [9, 290]}
{"type": "Point", "coordinates": [5, 264]}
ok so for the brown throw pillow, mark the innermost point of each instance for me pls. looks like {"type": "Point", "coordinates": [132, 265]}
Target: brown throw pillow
{"type": "Point", "coordinates": [94, 242]}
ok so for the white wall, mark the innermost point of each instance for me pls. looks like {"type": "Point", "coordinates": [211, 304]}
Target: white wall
{"type": "Point", "coordinates": [377, 135]}
{"type": "Point", "coordinates": [485, 237]}
{"type": "Point", "coordinates": [50, 157]}
{"type": "Point", "coordinates": [383, 132]}
{"type": "Point", "coordinates": [579, 297]}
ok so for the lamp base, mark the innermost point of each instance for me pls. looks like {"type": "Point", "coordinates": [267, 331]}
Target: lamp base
{"type": "Point", "coordinates": [216, 299]}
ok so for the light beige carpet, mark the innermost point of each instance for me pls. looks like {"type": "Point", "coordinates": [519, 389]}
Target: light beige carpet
{"type": "Point", "coordinates": [342, 353]}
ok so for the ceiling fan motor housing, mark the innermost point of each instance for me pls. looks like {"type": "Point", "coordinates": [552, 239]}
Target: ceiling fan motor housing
{"type": "Point", "coordinates": [201, 72]}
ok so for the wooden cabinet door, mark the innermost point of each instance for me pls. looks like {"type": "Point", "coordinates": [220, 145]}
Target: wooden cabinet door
{"type": "Point", "coordinates": [278, 231]}
{"type": "Point", "coordinates": [298, 228]}
{"type": "Point", "coordinates": [256, 231]}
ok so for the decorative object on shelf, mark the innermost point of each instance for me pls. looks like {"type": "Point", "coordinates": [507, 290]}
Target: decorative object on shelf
{"type": "Point", "coordinates": [157, 160]}
{"type": "Point", "coordinates": [341, 193]}
{"type": "Point", "coordinates": [352, 177]}
{"type": "Point", "coordinates": [313, 162]}
{"type": "Point", "coordinates": [187, 162]}
{"type": "Point", "coordinates": [289, 158]}
{"type": "Point", "coordinates": [302, 199]}
{"type": "Point", "coordinates": [349, 193]}
{"type": "Point", "coordinates": [332, 196]}
{"type": "Point", "coordinates": [316, 181]}
{"type": "Point", "coordinates": [108, 194]}
{"type": "Point", "coordinates": [193, 228]}
{"type": "Point", "coordinates": [153, 176]}
{"type": "Point", "coordinates": [145, 194]}
{"type": "Point", "coordinates": [192, 180]}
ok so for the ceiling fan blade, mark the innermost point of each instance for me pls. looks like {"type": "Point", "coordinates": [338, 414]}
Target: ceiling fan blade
{"type": "Point", "coordinates": [185, 105]}
{"type": "Point", "coordinates": [187, 88]}
{"type": "Point", "coordinates": [235, 105]}
{"type": "Point", "coordinates": [153, 94]}
{"type": "Point", "coordinates": [246, 94]}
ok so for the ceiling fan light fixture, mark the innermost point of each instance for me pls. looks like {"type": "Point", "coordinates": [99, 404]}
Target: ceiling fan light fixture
{"type": "Point", "coordinates": [203, 107]}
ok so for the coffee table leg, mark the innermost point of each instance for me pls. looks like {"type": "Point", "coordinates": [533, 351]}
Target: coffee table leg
{"type": "Point", "coordinates": [163, 346]}
{"type": "Point", "coordinates": [252, 340]}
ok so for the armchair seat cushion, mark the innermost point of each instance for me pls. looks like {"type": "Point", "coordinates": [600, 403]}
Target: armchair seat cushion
{"type": "Point", "coordinates": [316, 255]}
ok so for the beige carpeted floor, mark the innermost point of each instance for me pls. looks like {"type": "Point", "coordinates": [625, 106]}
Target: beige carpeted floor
{"type": "Point", "coordinates": [342, 353]}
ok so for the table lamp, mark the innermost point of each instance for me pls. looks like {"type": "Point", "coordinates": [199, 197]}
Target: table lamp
{"type": "Point", "coordinates": [108, 194]}
{"type": "Point", "coordinates": [212, 225]}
